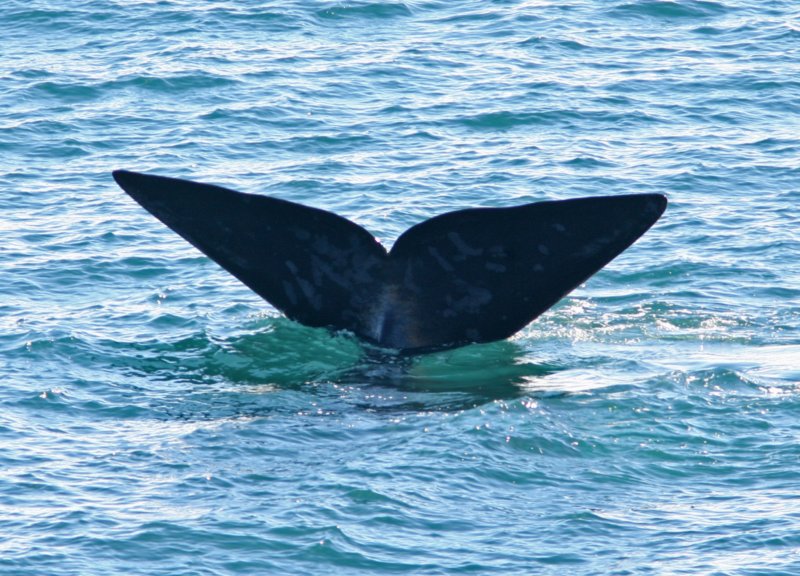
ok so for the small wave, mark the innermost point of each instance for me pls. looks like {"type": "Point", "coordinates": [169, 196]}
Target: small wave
{"type": "Point", "coordinates": [69, 92]}
{"type": "Point", "coordinates": [327, 144]}
{"type": "Point", "coordinates": [370, 10]}
{"type": "Point", "coordinates": [568, 45]}
{"type": "Point", "coordinates": [665, 9]}
{"type": "Point", "coordinates": [775, 145]}
{"type": "Point", "coordinates": [476, 16]}
{"type": "Point", "coordinates": [66, 91]}
{"type": "Point", "coordinates": [587, 162]}
{"type": "Point", "coordinates": [508, 120]}
{"type": "Point", "coordinates": [174, 83]}
{"type": "Point", "coordinates": [257, 15]}
{"type": "Point", "coordinates": [40, 17]}
{"type": "Point", "coordinates": [744, 31]}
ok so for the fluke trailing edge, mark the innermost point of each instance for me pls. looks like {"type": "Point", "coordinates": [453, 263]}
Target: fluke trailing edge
{"type": "Point", "coordinates": [474, 275]}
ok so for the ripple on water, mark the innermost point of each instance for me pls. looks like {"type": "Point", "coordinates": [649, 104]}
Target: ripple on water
{"type": "Point", "coordinates": [666, 10]}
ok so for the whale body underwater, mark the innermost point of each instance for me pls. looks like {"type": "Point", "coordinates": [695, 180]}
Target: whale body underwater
{"type": "Point", "coordinates": [469, 276]}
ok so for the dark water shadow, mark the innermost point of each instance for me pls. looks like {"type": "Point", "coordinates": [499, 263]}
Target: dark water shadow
{"type": "Point", "coordinates": [460, 378]}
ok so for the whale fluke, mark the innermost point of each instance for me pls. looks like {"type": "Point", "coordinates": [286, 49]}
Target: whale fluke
{"type": "Point", "coordinates": [474, 275]}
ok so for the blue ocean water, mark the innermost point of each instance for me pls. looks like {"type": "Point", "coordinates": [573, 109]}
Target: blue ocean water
{"type": "Point", "coordinates": [156, 417]}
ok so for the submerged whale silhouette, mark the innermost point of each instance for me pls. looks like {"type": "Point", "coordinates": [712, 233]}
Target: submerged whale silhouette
{"type": "Point", "coordinates": [469, 276]}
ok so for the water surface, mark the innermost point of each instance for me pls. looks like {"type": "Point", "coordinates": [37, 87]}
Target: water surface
{"type": "Point", "coordinates": [159, 418]}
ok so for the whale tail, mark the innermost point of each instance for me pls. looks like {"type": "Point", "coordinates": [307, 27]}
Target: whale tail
{"type": "Point", "coordinates": [474, 275]}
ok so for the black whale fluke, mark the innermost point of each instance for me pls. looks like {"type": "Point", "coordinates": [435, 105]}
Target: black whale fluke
{"type": "Point", "coordinates": [473, 275]}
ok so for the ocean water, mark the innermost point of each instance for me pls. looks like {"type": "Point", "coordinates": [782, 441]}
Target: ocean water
{"type": "Point", "coordinates": [157, 418]}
